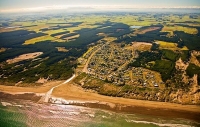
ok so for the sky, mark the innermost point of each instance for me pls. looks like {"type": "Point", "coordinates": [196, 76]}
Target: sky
{"type": "Point", "coordinates": [23, 5]}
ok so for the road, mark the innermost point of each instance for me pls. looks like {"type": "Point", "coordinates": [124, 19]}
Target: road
{"type": "Point", "coordinates": [88, 60]}
{"type": "Point", "coordinates": [48, 94]}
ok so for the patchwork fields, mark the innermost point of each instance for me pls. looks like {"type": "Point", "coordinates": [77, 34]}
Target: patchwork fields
{"type": "Point", "coordinates": [120, 53]}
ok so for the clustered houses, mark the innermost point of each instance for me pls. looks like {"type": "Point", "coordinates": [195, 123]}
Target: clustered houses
{"type": "Point", "coordinates": [94, 49]}
{"type": "Point", "coordinates": [145, 77]}
{"type": "Point", "coordinates": [83, 60]}
{"type": "Point", "coordinates": [110, 64]}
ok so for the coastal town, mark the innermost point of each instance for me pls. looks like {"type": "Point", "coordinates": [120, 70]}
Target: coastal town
{"type": "Point", "coordinates": [109, 62]}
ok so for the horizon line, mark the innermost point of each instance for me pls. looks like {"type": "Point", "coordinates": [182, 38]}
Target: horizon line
{"type": "Point", "coordinates": [97, 7]}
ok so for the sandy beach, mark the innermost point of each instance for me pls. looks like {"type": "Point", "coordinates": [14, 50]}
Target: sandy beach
{"type": "Point", "coordinates": [35, 89]}
{"type": "Point", "coordinates": [73, 92]}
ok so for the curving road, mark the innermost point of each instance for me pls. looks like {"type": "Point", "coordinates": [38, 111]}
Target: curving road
{"type": "Point", "coordinates": [88, 60]}
{"type": "Point", "coordinates": [46, 97]}
{"type": "Point", "coordinates": [48, 94]}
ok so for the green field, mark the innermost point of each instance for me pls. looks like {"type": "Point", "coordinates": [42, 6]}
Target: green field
{"type": "Point", "coordinates": [170, 46]}
{"type": "Point", "coordinates": [68, 37]}
{"type": "Point", "coordinates": [171, 30]}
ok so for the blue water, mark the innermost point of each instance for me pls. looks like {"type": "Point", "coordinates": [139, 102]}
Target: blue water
{"type": "Point", "coordinates": [26, 114]}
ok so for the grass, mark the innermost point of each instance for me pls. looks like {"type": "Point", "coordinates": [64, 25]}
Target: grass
{"type": "Point", "coordinates": [47, 37]}
{"type": "Point", "coordinates": [126, 19]}
{"type": "Point", "coordinates": [184, 18]}
{"type": "Point", "coordinates": [140, 46]}
{"type": "Point", "coordinates": [72, 37]}
{"type": "Point", "coordinates": [110, 90]}
{"type": "Point", "coordinates": [110, 39]}
{"type": "Point", "coordinates": [169, 45]}
{"type": "Point", "coordinates": [25, 23]}
{"type": "Point", "coordinates": [98, 85]}
{"type": "Point", "coordinates": [184, 48]}
{"type": "Point", "coordinates": [171, 29]}
{"type": "Point", "coordinates": [88, 51]}
{"type": "Point", "coordinates": [55, 31]}
{"type": "Point", "coordinates": [59, 36]}
{"type": "Point", "coordinates": [2, 30]}
{"type": "Point", "coordinates": [134, 20]}
{"type": "Point", "coordinates": [81, 26]}
{"type": "Point", "coordinates": [56, 20]}
{"type": "Point", "coordinates": [38, 39]}
{"type": "Point", "coordinates": [38, 25]}
{"type": "Point", "coordinates": [41, 25]}
{"type": "Point", "coordinates": [90, 19]}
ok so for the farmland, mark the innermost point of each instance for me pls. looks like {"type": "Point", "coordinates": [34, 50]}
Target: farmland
{"type": "Point", "coordinates": [120, 52]}
{"type": "Point", "coordinates": [171, 29]}
{"type": "Point", "coordinates": [38, 39]}
{"type": "Point", "coordinates": [170, 46]}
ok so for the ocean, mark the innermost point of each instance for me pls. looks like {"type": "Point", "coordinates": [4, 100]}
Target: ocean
{"type": "Point", "coordinates": [23, 113]}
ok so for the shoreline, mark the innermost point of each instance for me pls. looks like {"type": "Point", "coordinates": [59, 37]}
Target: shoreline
{"type": "Point", "coordinates": [103, 105]}
{"type": "Point", "coordinates": [131, 109]}
{"type": "Point", "coordinates": [74, 92]}
{"type": "Point", "coordinates": [82, 97]}
{"type": "Point", "coordinates": [77, 93]}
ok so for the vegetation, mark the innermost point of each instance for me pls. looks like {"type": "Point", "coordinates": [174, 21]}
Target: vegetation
{"type": "Point", "coordinates": [165, 68]}
{"type": "Point", "coordinates": [145, 57]}
{"type": "Point", "coordinates": [193, 69]}
{"type": "Point", "coordinates": [170, 45]}
{"type": "Point", "coordinates": [68, 35]}
{"type": "Point", "coordinates": [172, 29]}
{"type": "Point", "coordinates": [45, 32]}
{"type": "Point", "coordinates": [162, 61]}
{"type": "Point", "coordinates": [105, 88]}
{"type": "Point", "coordinates": [38, 39]}
{"type": "Point", "coordinates": [170, 55]}
{"type": "Point", "coordinates": [190, 41]}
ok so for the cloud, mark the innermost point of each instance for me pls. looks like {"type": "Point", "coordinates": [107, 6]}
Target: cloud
{"type": "Point", "coordinates": [97, 7]}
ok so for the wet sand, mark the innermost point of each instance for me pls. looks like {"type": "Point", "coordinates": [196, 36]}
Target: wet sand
{"type": "Point", "coordinates": [117, 104]}
{"type": "Point", "coordinates": [155, 112]}
{"type": "Point", "coordinates": [25, 96]}
{"type": "Point", "coordinates": [73, 92]}
{"type": "Point", "coordinates": [170, 110]}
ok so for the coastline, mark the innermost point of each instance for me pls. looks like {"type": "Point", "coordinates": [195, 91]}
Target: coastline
{"type": "Point", "coordinates": [78, 96]}
{"type": "Point", "coordinates": [74, 92]}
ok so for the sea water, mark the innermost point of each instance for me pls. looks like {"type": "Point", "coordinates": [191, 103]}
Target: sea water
{"type": "Point", "coordinates": [29, 114]}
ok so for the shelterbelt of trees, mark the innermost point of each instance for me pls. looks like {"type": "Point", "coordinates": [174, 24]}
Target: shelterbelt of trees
{"type": "Point", "coordinates": [53, 64]}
